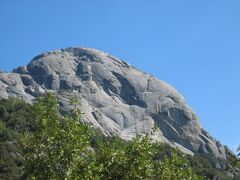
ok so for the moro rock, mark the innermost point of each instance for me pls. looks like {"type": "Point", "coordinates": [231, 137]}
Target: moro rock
{"type": "Point", "coordinates": [115, 97]}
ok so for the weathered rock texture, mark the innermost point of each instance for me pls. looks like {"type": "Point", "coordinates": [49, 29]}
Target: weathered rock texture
{"type": "Point", "coordinates": [115, 97]}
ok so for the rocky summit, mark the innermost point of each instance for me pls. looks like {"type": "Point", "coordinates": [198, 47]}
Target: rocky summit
{"type": "Point", "coordinates": [115, 97]}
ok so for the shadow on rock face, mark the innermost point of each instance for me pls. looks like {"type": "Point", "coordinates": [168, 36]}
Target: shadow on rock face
{"type": "Point", "coordinates": [128, 93]}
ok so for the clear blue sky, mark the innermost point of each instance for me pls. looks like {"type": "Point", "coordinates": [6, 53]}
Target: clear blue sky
{"type": "Point", "coordinates": [192, 45]}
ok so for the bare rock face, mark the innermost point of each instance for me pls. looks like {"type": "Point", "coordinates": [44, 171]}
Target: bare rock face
{"type": "Point", "coordinates": [115, 97]}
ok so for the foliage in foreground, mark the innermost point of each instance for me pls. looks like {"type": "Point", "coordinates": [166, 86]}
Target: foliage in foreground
{"type": "Point", "coordinates": [61, 147]}
{"type": "Point", "coordinates": [59, 144]}
{"type": "Point", "coordinates": [139, 159]}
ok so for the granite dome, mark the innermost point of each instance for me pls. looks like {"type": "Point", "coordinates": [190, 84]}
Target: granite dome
{"type": "Point", "coordinates": [115, 97]}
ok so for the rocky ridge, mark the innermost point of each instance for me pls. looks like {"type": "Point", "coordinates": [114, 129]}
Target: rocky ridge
{"type": "Point", "coordinates": [115, 97]}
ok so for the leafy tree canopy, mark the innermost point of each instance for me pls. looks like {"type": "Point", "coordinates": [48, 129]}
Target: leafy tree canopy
{"type": "Point", "coordinates": [41, 142]}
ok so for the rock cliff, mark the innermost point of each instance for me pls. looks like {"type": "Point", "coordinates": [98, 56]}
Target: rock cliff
{"type": "Point", "coordinates": [115, 97]}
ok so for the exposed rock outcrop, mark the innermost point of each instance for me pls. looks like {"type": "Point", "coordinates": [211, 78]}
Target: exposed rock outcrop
{"type": "Point", "coordinates": [115, 97]}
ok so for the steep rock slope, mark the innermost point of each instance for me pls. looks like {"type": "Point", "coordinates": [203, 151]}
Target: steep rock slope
{"type": "Point", "coordinates": [115, 97]}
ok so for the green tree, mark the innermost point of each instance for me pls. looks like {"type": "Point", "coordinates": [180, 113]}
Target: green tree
{"type": "Point", "coordinates": [139, 159]}
{"type": "Point", "coordinates": [101, 157]}
{"type": "Point", "coordinates": [116, 159]}
{"type": "Point", "coordinates": [233, 164]}
{"type": "Point", "coordinates": [16, 117]}
{"type": "Point", "coordinates": [10, 149]}
{"type": "Point", "coordinates": [60, 148]}
{"type": "Point", "coordinates": [176, 167]}
{"type": "Point", "coordinates": [59, 145]}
